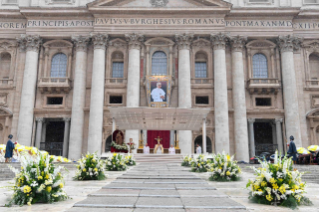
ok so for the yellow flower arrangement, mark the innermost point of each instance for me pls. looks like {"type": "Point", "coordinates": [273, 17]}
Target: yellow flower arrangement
{"type": "Point", "coordinates": [26, 189]}
{"type": "Point", "coordinates": [48, 189]}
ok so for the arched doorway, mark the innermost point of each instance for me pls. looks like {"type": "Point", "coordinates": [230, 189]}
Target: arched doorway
{"type": "Point", "coordinates": [199, 140]}
{"type": "Point", "coordinates": [108, 144]}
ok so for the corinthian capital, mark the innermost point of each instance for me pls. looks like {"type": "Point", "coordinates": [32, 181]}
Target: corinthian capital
{"type": "Point", "coordinates": [29, 42]}
{"type": "Point", "coordinates": [184, 41]}
{"type": "Point", "coordinates": [237, 43]}
{"type": "Point", "coordinates": [100, 41]}
{"type": "Point", "coordinates": [81, 42]}
{"type": "Point", "coordinates": [134, 40]}
{"type": "Point", "coordinates": [289, 43]}
{"type": "Point", "coordinates": [219, 40]}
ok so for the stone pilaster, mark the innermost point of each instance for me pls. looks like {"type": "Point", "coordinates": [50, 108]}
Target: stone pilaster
{"type": "Point", "coordinates": [66, 137]}
{"type": "Point", "coordinates": [77, 117]}
{"type": "Point", "coordinates": [184, 42]}
{"type": "Point", "coordinates": [287, 45]}
{"type": "Point", "coordinates": [239, 100]}
{"type": "Point", "coordinates": [97, 94]}
{"type": "Point", "coordinates": [30, 43]}
{"type": "Point", "coordinates": [219, 42]}
{"type": "Point", "coordinates": [39, 122]}
{"type": "Point", "coordinates": [279, 135]}
{"type": "Point", "coordinates": [133, 83]}
{"type": "Point", "coordinates": [251, 137]}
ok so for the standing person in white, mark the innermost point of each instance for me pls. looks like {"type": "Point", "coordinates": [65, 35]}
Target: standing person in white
{"type": "Point", "coordinates": [158, 94]}
{"type": "Point", "coordinates": [171, 150]}
{"type": "Point", "coordinates": [198, 149]}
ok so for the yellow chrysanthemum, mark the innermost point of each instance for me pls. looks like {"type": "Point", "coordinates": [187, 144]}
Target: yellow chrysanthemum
{"type": "Point", "coordinates": [272, 181]}
{"type": "Point", "coordinates": [48, 189]}
{"type": "Point", "coordinates": [95, 169]}
{"type": "Point", "coordinates": [61, 185]}
{"type": "Point", "coordinates": [228, 173]}
{"type": "Point", "coordinates": [84, 170]}
{"type": "Point", "coordinates": [26, 189]}
{"type": "Point", "coordinates": [228, 157]}
{"type": "Point", "coordinates": [282, 189]}
{"type": "Point", "coordinates": [46, 176]}
{"type": "Point", "coordinates": [40, 177]}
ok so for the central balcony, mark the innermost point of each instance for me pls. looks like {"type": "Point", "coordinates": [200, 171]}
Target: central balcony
{"type": "Point", "coordinates": [202, 82]}
{"type": "Point", "coordinates": [263, 85]}
{"type": "Point", "coordinates": [54, 85]}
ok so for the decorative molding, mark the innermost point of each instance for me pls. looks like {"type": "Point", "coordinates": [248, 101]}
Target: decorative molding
{"type": "Point", "coordinates": [7, 45]}
{"type": "Point", "coordinates": [237, 43]}
{"type": "Point", "coordinates": [134, 40]}
{"type": "Point", "coordinates": [57, 44]}
{"type": "Point", "coordinates": [159, 3]}
{"type": "Point", "coordinates": [311, 46]}
{"type": "Point", "coordinates": [184, 41]}
{"type": "Point", "coordinates": [81, 42]}
{"type": "Point", "coordinates": [3, 100]}
{"type": "Point", "coordinates": [201, 43]}
{"type": "Point", "coordinates": [100, 41]}
{"type": "Point", "coordinates": [118, 43]}
{"type": "Point", "coordinates": [29, 42]}
{"type": "Point", "coordinates": [219, 40]}
{"type": "Point", "coordinates": [289, 43]}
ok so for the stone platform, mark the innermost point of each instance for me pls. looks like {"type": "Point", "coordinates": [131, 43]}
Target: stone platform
{"type": "Point", "coordinates": [160, 187]}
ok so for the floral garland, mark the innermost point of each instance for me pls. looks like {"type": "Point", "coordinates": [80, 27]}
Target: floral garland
{"type": "Point", "coordinates": [90, 168]}
{"type": "Point", "coordinates": [119, 147]}
{"type": "Point", "coordinates": [224, 168]}
{"type": "Point", "coordinates": [278, 183]}
{"type": "Point", "coordinates": [38, 181]}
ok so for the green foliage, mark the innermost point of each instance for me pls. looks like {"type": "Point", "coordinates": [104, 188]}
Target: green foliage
{"type": "Point", "coordinates": [90, 168]}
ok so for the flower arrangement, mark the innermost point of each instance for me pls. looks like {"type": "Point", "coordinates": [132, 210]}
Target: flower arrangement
{"type": "Point", "coordinates": [119, 147]}
{"type": "Point", "coordinates": [90, 168]}
{"type": "Point", "coordinates": [115, 163]}
{"type": "Point", "coordinates": [224, 168]}
{"type": "Point", "coordinates": [129, 161]}
{"type": "Point", "coordinates": [38, 181]}
{"type": "Point", "coordinates": [200, 164]}
{"type": "Point", "coordinates": [278, 183]}
{"type": "Point", "coordinates": [187, 161]}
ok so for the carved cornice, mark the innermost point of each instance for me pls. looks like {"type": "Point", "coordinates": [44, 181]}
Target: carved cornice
{"type": "Point", "coordinates": [159, 3]}
{"type": "Point", "coordinates": [289, 43]}
{"type": "Point", "coordinates": [219, 41]}
{"type": "Point", "coordinates": [237, 43]}
{"type": "Point", "coordinates": [184, 40]}
{"type": "Point", "coordinates": [134, 40]}
{"type": "Point", "coordinates": [100, 41]}
{"type": "Point", "coordinates": [29, 42]}
{"type": "Point", "coordinates": [81, 42]}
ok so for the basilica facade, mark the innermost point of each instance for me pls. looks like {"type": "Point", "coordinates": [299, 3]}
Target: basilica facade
{"type": "Point", "coordinates": [74, 71]}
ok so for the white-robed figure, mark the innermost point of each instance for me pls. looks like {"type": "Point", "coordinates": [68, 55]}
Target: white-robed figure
{"type": "Point", "coordinates": [198, 149]}
{"type": "Point", "coordinates": [158, 94]}
{"type": "Point", "coordinates": [146, 149]}
{"type": "Point", "coordinates": [171, 150]}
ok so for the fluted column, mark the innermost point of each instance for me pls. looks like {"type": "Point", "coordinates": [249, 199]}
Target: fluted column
{"type": "Point", "coordinates": [239, 100]}
{"type": "Point", "coordinates": [251, 137]}
{"type": "Point", "coordinates": [97, 94]}
{"type": "Point", "coordinates": [133, 83]}
{"type": "Point", "coordinates": [66, 137]}
{"type": "Point", "coordinates": [31, 43]}
{"type": "Point", "coordinates": [184, 42]}
{"type": "Point", "coordinates": [287, 45]}
{"type": "Point", "coordinates": [38, 136]}
{"type": "Point", "coordinates": [77, 117]}
{"type": "Point", "coordinates": [220, 93]}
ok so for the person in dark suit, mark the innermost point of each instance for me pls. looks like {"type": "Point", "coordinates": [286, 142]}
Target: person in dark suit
{"type": "Point", "coordinates": [292, 151]}
{"type": "Point", "coordinates": [9, 149]}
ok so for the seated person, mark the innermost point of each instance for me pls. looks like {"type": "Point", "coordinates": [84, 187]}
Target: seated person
{"type": "Point", "coordinates": [171, 150]}
{"type": "Point", "coordinates": [146, 149]}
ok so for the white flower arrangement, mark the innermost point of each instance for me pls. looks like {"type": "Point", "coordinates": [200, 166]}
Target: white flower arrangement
{"type": "Point", "coordinates": [200, 164]}
{"type": "Point", "coordinates": [187, 161]}
{"type": "Point", "coordinates": [115, 163]}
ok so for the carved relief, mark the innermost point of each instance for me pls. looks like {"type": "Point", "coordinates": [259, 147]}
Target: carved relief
{"type": "Point", "coordinates": [238, 42]}
{"type": "Point", "coordinates": [100, 41]}
{"type": "Point", "coordinates": [311, 46]}
{"type": "Point", "coordinates": [81, 42]}
{"type": "Point", "coordinates": [118, 43]}
{"type": "Point", "coordinates": [184, 40]}
{"type": "Point", "coordinates": [314, 101]}
{"type": "Point", "coordinates": [289, 43]}
{"type": "Point", "coordinates": [134, 40]}
{"type": "Point", "coordinates": [29, 42]}
{"type": "Point", "coordinates": [219, 40]}
{"type": "Point", "coordinates": [201, 43]}
{"type": "Point", "coordinates": [7, 46]}
{"type": "Point", "coordinates": [3, 100]}
{"type": "Point", "coordinates": [159, 3]}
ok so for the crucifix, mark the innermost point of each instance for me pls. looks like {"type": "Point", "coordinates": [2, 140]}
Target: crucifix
{"type": "Point", "coordinates": [158, 139]}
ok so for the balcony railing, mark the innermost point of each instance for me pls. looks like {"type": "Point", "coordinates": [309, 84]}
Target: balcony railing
{"type": "Point", "coordinates": [50, 84]}
{"type": "Point", "coordinates": [263, 85]}
{"type": "Point", "coordinates": [263, 81]}
{"type": "Point", "coordinates": [5, 82]}
{"type": "Point", "coordinates": [116, 80]}
{"type": "Point", "coordinates": [312, 85]}
{"type": "Point", "coordinates": [202, 81]}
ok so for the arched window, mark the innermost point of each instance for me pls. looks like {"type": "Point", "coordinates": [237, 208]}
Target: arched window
{"type": "Point", "coordinates": [117, 65]}
{"type": "Point", "coordinates": [260, 66]}
{"type": "Point", "coordinates": [5, 64]}
{"type": "Point", "coordinates": [159, 64]}
{"type": "Point", "coordinates": [314, 67]}
{"type": "Point", "coordinates": [59, 65]}
{"type": "Point", "coordinates": [201, 65]}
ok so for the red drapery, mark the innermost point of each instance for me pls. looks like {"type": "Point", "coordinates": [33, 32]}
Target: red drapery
{"type": "Point", "coordinates": [164, 135]}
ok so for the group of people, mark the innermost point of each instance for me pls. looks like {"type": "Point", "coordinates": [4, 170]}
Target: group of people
{"type": "Point", "coordinates": [159, 149]}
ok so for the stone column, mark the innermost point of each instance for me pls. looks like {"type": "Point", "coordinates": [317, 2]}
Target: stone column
{"type": "Point", "coordinates": [79, 88]}
{"type": "Point", "coordinates": [172, 138]}
{"type": "Point", "coordinates": [239, 100]}
{"type": "Point", "coordinates": [251, 137]}
{"type": "Point", "coordinates": [31, 43]}
{"type": "Point", "coordinates": [66, 137]}
{"type": "Point", "coordinates": [220, 93]}
{"type": "Point", "coordinates": [204, 137]}
{"type": "Point", "coordinates": [97, 94]}
{"type": "Point", "coordinates": [39, 132]}
{"type": "Point", "coordinates": [133, 82]}
{"type": "Point", "coordinates": [279, 135]}
{"type": "Point", "coordinates": [287, 45]}
{"type": "Point", "coordinates": [184, 86]}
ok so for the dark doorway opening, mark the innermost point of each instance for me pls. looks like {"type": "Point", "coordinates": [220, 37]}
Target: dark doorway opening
{"type": "Point", "coordinates": [108, 144]}
{"type": "Point", "coordinates": [199, 140]}
{"type": "Point", "coordinates": [54, 137]}
{"type": "Point", "coordinates": [264, 142]}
